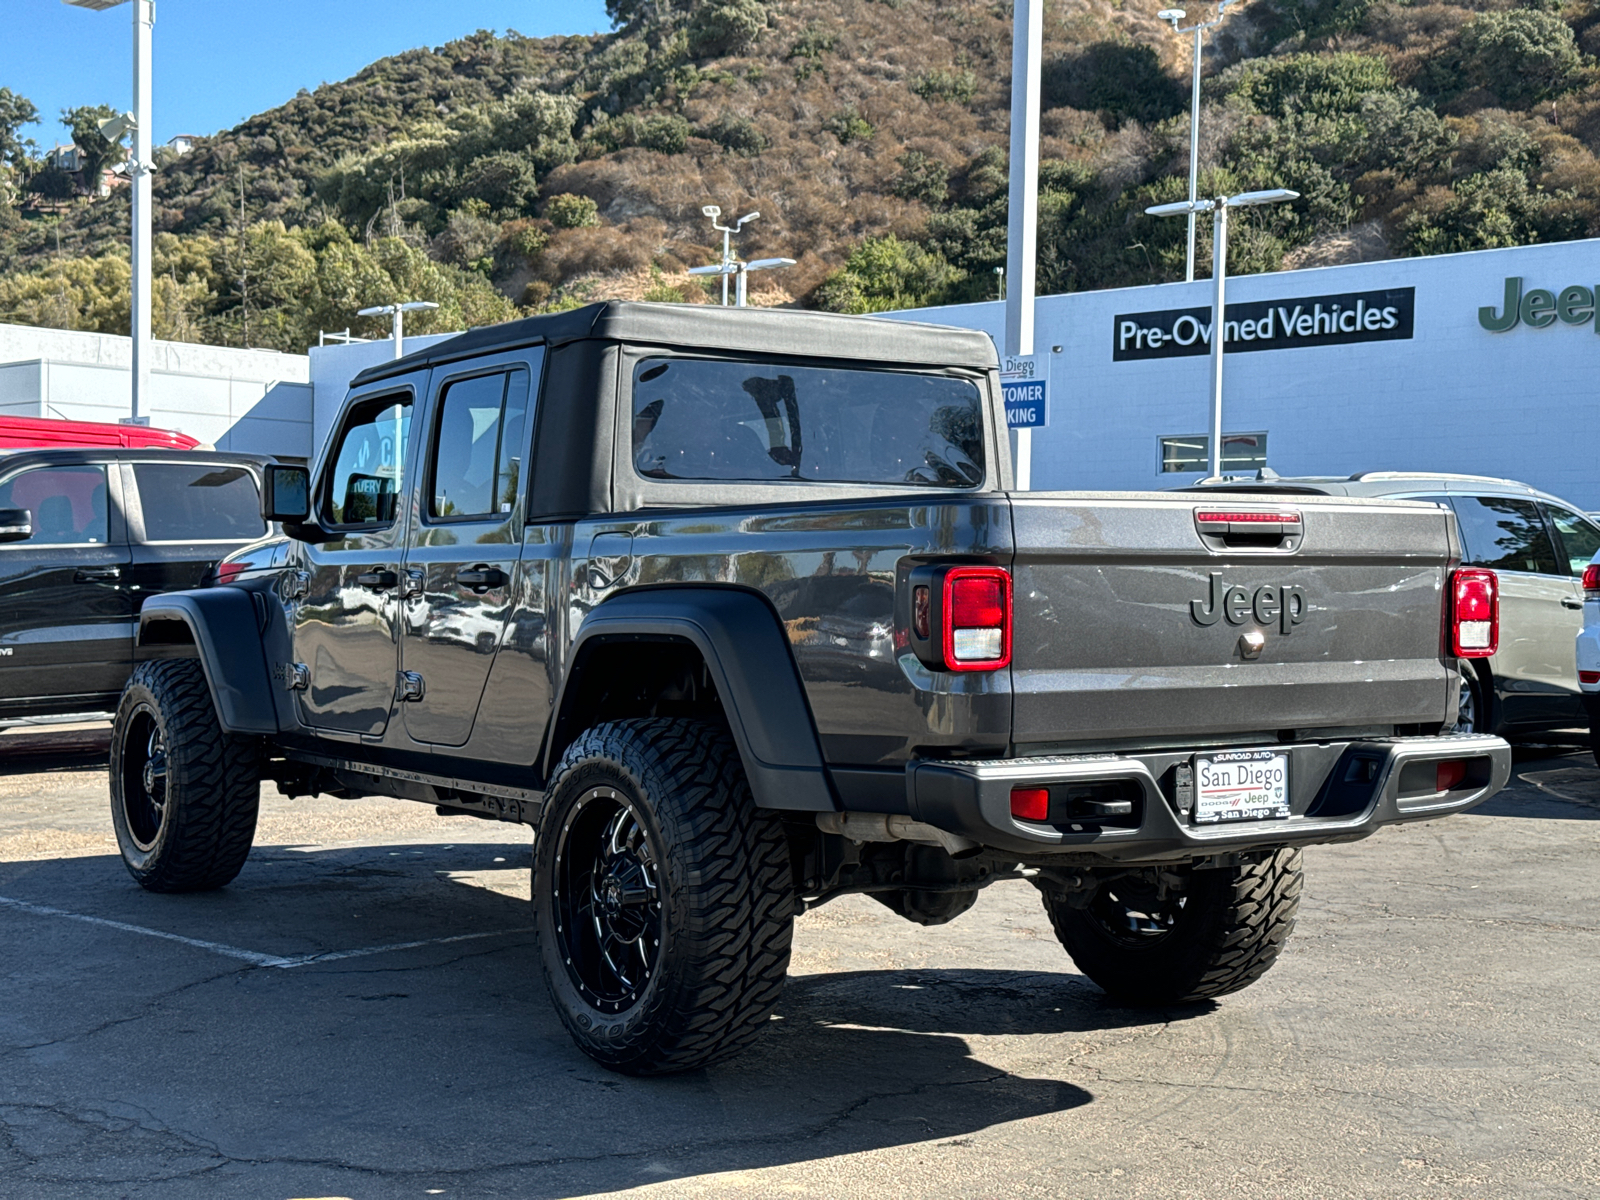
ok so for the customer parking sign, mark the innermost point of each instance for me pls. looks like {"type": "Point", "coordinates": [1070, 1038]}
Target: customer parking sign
{"type": "Point", "coordinates": [1025, 383]}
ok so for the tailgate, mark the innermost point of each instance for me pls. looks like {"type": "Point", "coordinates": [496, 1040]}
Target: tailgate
{"type": "Point", "coordinates": [1132, 624]}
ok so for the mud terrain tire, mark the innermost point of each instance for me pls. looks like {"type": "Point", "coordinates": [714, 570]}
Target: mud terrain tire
{"type": "Point", "coordinates": [184, 794]}
{"type": "Point", "coordinates": [1225, 934]}
{"type": "Point", "coordinates": [662, 897]}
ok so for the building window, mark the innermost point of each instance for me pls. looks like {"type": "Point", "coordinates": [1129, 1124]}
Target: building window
{"type": "Point", "coordinates": [1187, 454]}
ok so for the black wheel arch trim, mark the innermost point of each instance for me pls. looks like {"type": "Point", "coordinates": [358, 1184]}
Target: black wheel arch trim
{"type": "Point", "coordinates": [225, 626]}
{"type": "Point", "coordinates": [742, 642]}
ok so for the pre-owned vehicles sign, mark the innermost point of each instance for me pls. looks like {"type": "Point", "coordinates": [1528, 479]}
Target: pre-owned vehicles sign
{"type": "Point", "coordinates": [1378, 316]}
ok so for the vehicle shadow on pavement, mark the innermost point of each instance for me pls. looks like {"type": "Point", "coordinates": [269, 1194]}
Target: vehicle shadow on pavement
{"type": "Point", "coordinates": [1552, 784]}
{"type": "Point", "coordinates": [435, 1057]}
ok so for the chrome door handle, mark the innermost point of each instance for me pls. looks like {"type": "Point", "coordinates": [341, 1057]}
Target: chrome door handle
{"type": "Point", "coordinates": [377, 580]}
{"type": "Point", "coordinates": [415, 583]}
{"type": "Point", "coordinates": [98, 575]}
{"type": "Point", "coordinates": [481, 578]}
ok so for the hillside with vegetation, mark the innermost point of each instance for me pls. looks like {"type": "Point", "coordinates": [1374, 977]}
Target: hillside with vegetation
{"type": "Point", "coordinates": [505, 175]}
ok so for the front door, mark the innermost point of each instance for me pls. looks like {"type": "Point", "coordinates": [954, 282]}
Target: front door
{"type": "Point", "coordinates": [344, 628]}
{"type": "Point", "coordinates": [66, 615]}
{"type": "Point", "coordinates": [466, 540]}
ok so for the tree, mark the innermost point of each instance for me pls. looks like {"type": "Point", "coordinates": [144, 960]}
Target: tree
{"type": "Point", "coordinates": [1521, 56]}
{"type": "Point", "coordinates": [15, 112]}
{"type": "Point", "coordinates": [97, 152]}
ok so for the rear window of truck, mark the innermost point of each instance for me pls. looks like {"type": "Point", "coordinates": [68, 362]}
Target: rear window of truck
{"type": "Point", "coordinates": [705, 419]}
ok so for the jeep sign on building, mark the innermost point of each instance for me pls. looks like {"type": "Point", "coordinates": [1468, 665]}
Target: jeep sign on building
{"type": "Point", "coordinates": [1486, 363]}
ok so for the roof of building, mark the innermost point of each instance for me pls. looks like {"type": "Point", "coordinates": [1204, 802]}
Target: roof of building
{"type": "Point", "coordinates": [746, 330]}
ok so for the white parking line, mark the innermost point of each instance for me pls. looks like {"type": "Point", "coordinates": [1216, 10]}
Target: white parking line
{"type": "Point", "coordinates": [254, 958]}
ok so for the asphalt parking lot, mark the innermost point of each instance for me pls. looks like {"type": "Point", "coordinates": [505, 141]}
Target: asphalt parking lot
{"type": "Point", "coordinates": [359, 1016]}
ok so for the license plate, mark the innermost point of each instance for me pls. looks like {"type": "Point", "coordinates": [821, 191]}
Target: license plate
{"type": "Point", "coordinates": [1241, 785]}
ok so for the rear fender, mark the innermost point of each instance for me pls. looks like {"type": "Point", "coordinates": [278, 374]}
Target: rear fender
{"type": "Point", "coordinates": [742, 643]}
{"type": "Point", "coordinates": [224, 625]}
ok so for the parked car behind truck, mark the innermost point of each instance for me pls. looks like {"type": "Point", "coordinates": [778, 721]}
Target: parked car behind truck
{"type": "Point", "coordinates": [86, 536]}
{"type": "Point", "coordinates": [738, 610]}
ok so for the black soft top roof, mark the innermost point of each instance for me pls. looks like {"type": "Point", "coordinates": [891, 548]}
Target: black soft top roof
{"type": "Point", "coordinates": [707, 327]}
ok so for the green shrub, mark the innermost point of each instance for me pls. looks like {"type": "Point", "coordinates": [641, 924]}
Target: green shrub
{"type": "Point", "coordinates": [922, 178]}
{"type": "Point", "coordinates": [737, 135]}
{"type": "Point", "coordinates": [885, 273]}
{"type": "Point", "coordinates": [504, 181]}
{"type": "Point", "coordinates": [568, 211]}
{"type": "Point", "coordinates": [666, 133]}
{"type": "Point", "coordinates": [726, 28]}
{"type": "Point", "coordinates": [1321, 84]}
{"type": "Point", "coordinates": [1520, 56]}
{"type": "Point", "coordinates": [939, 84]}
{"type": "Point", "coordinates": [1483, 212]}
{"type": "Point", "coordinates": [848, 126]}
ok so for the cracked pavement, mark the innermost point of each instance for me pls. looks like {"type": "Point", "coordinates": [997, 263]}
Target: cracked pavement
{"type": "Point", "coordinates": [1430, 1030]}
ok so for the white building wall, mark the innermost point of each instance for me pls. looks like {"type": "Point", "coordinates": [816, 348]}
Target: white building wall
{"type": "Point", "coordinates": [256, 401]}
{"type": "Point", "coordinates": [1523, 404]}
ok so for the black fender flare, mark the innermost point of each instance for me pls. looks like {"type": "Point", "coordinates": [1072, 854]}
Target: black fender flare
{"type": "Point", "coordinates": [225, 626]}
{"type": "Point", "coordinates": [742, 642]}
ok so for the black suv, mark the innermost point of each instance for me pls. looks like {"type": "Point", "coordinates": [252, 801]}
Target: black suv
{"type": "Point", "coordinates": [85, 537]}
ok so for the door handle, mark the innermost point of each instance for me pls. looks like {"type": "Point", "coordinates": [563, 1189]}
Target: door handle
{"type": "Point", "coordinates": [1571, 602]}
{"type": "Point", "coordinates": [98, 575]}
{"type": "Point", "coordinates": [376, 580]}
{"type": "Point", "coordinates": [481, 578]}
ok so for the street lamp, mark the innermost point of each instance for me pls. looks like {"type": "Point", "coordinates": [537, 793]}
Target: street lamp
{"type": "Point", "coordinates": [1172, 16]}
{"type": "Point", "coordinates": [713, 211]}
{"type": "Point", "coordinates": [397, 311]}
{"type": "Point", "coordinates": [139, 171]}
{"type": "Point", "coordinates": [1218, 209]}
{"type": "Point", "coordinates": [741, 270]}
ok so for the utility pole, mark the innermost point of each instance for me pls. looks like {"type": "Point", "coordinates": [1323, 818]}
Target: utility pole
{"type": "Point", "coordinates": [1172, 16]}
{"type": "Point", "coordinates": [398, 312]}
{"type": "Point", "coordinates": [1022, 232]}
{"type": "Point", "coordinates": [139, 172]}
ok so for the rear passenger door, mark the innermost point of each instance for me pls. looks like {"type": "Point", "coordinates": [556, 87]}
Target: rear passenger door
{"type": "Point", "coordinates": [184, 517]}
{"type": "Point", "coordinates": [1535, 668]}
{"type": "Point", "coordinates": [66, 618]}
{"type": "Point", "coordinates": [465, 541]}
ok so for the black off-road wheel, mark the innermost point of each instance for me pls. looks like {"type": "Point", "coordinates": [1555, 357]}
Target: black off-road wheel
{"type": "Point", "coordinates": [662, 897]}
{"type": "Point", "coordinates": [1169, 936]}
{"type": "Point", "coordinates": [184, 794]}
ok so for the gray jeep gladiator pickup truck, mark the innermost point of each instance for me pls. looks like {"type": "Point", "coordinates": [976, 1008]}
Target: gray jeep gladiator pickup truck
{"type": "Point", "coordinates": [738, 610]}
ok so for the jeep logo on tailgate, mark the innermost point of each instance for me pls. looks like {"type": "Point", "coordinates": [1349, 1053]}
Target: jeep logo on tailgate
{"type": "Point", "coordinates": [1280, 603]}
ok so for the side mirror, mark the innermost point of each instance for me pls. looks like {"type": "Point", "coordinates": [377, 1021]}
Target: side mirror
{"type": "Point", "coordinates": [286, 494]}
{"type": "Point", "coordinates": [16, 524]}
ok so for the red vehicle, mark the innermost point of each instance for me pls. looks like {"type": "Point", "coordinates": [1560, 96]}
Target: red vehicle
{"type": "Point", "coordinates": [31, 433]}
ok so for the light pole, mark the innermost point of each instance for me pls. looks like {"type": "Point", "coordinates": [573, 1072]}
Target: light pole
{"type": "Point", "coordinates": [1022, 226]}
{"type": "Point", "coordinates": [1218, 209]}
{"type": "Point", "coordinates": [727, 231]}
{"type": "Point", "coordinates": [398, 312]}
{"type": "Point", "coordinates": [139, 170]}
{"type": "Point", "coordinates": [1172, 16]}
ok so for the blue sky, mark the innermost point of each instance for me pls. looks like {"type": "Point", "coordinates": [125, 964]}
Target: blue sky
{"type": "Point", "coordinates": [219, 61]}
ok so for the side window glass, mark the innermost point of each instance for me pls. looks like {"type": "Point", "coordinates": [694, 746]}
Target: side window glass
{"type": "Point", "coordinates": [68, 504]}
{"type": "Point", "coordinates": [477, 451]}
{"type": "Point", "coordinates": [188, 502]}
{"type": "Point", "coordinates": [1506, 534]}
{"type": "Point", "coordinates": [369, 465]}
{"type": "Point", "coordinates": [1580, 537]}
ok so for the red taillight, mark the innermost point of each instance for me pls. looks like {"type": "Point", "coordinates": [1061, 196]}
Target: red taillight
{"type": "Point", "coordinates": [1591, 582]}
{"type": "Point", "coordinates": [1449, 774]}
{"type": "Point", "coordinates": [227, 572]}
{"type": "Point", "coordinates": [1031, 804]}
{"type": "Point", "coordinates": [977, 618]}
{"type": "Point", "coordinates": [1589, 676]}
{"type": "Point", "coordinates": [1474, 613]}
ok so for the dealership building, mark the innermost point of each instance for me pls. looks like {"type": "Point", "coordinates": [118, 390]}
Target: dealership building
{"type": "Point", "coordinates": [1483, 363]}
